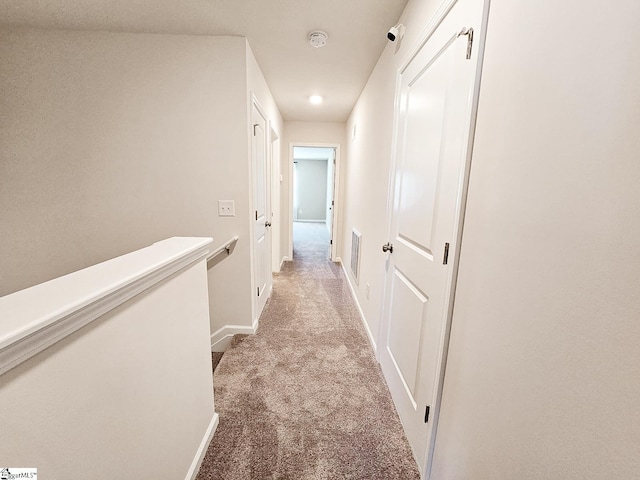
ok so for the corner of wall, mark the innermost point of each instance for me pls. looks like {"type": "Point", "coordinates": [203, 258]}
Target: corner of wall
{"type": "Point", "coordinates": [222, 337]}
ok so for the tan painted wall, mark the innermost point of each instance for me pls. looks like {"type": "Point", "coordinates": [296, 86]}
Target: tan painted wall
{"type": "Point", "coordinates": [110, 142]}
{"type": "Point", "coordinates": [544, 359]}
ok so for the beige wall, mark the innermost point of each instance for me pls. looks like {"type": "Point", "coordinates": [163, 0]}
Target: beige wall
{"type": "Point", "coordinates": [110, 142]}
{"type": "Point", "coordinates": [129, 395]}
{"type": "Point", "coordinates": [311, 190]}
{"type": "Point", "coordinates": [237, 308]}
{"type": "Point", "coordinates": [257, 85]}
{"type": "Point", "coordinates": [300, 133]}
{"type": "Point", "coordinates": [542, 380]}
{"type": "Point", "coordinates": [544, 359]}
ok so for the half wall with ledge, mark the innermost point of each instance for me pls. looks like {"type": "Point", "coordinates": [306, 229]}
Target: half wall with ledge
{"type": "Point", "coordinates": [106, 372]}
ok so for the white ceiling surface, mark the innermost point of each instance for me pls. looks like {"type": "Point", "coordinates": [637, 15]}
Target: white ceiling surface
{"type": "Point", "coordinates": [277, 32]}
{"type": "Point", "coordinates": [312, 153]}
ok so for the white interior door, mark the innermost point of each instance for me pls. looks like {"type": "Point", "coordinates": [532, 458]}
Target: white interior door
{"type": "Point", "coordinates": [435, 110]}
{"type": "Point", "coordinates": [331, 179]}
{"type": "Point", "coordinates": [261, 215]}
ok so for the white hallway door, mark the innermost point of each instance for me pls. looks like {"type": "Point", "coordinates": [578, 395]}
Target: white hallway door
{"type": "Point", "coordinates": [331, 186]}
{"type": "Point", "coordinates": [435, 117]}
{"type": "Point", "coordinates": [261, 214]}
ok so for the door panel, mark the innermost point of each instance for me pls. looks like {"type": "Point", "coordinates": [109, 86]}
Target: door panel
{"type": "Point", "coordinates": [425, 106]}
{"type": "Point", "coordinates": [435, 115]}
{"type": "Point", "coordinates": [409, 311]}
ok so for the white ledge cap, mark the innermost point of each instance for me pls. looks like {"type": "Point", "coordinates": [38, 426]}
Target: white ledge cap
{"type": "Point", "coordinates": [28, 311]}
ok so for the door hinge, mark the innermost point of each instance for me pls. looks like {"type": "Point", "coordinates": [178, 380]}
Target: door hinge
{"type": "Point", "coordinates": [445, 260]}
{"type": "Point", "coordinates": [331, 242]}
{"type": "Point", "coordinates": [469, 33]}
{"type": "Point", "coordinates": [254, 128]}
{"type": "Point", "coordinates": [426, 414]}
{"type": "Point", "coordinates": [256, 214]}
{"type": "Point", "coordinates": [258, 291]}
{"type": "Point", "coordinates": [332, 203]}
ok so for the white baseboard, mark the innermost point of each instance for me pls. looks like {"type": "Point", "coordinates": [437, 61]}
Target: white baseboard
{"type": "Point", "coordinates": [284, 259]}
{"type": "Point", "coordinates": [362, 317]}
{"type": "Point", "coordinates": [310, 221]}
{"type": "Point", "coordinates": [202, 449]}
{"type": "Point", "coordinates": [222, 337]}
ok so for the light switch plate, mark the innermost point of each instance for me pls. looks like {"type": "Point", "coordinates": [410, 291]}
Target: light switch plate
{"type": "Point", "coordinates": [226, 208]}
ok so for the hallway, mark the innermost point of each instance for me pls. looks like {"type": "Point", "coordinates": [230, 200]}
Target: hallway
{"type": "Point", "coordinates": [304, 398]}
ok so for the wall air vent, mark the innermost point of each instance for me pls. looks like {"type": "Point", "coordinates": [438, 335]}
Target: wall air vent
{"type": "Point", "coordinates": [356, 240]}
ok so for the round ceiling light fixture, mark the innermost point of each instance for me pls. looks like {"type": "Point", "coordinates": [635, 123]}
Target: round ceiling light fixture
{"type": "Point", "coordinates": [318, 38]}
{"type": "Point", "coordinates": [315, 99]}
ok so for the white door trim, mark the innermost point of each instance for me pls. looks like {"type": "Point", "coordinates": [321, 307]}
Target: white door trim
{"type": "Point", "coordinates": [478, 45]}
{"type": "Point", "coordinates": [274, 153]}
{"type": "Point", "coordinates": [336, 196]}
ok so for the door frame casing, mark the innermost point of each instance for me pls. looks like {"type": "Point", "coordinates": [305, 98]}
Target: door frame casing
{"type": "Point", "coordinates": [336, 196]}
{"type": "Point", "coordinates": [274, 151]}
{"type": "Point", "coordinates": [461, 201]}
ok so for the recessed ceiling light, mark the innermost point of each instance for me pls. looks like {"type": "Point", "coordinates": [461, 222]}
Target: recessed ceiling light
{"type": "Point", "coordinates": [315, 99]}
{"type": "Point", "coordinates": [318, 38]}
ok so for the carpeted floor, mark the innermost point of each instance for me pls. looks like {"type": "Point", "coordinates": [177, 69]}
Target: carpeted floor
{"type": "Point", "coordinates": [304, 398]}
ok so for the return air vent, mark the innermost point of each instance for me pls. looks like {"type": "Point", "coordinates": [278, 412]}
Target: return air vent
{"type": "Point", "coordinates": [356, 240]}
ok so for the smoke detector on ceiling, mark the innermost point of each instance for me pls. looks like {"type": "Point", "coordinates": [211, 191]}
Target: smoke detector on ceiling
{"type": "Point", "coordinates": [318, 38]}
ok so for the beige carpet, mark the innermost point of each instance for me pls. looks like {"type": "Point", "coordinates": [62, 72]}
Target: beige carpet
{"type": "Point", "coordinates": [304, 398]}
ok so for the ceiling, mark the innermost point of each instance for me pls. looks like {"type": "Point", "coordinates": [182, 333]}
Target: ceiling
{"type": "Point", "coordinates": [277, 32]}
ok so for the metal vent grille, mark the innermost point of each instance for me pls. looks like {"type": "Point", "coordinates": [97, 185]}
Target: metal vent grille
{"type": "Point", "coordinates": [356, 240]}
